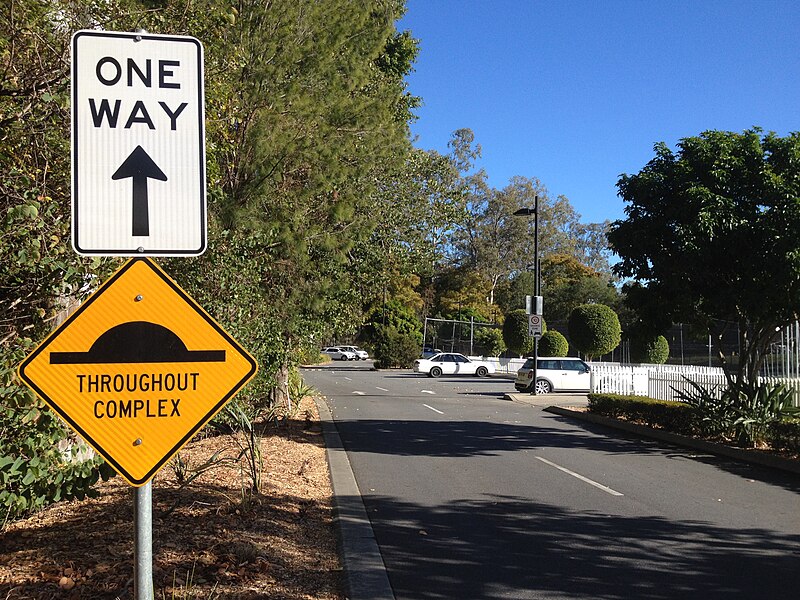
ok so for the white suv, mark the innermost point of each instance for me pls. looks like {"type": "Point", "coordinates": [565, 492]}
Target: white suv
{"type": "Point", "coordinates": [554, 374]}
{"type": "Point", "coordinates": [337, 353]}
{"type": "Point", "coordinates": [360, 354]}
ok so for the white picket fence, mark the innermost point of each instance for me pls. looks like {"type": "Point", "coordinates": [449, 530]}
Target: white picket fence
{"type": "Point", "coordinates": [666, 382]}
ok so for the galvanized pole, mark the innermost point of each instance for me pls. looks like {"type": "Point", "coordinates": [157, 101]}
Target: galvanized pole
{"type": "Point", "coordinates": [143, 542]}
{"type": "Point", "coordinates": [536, 283]}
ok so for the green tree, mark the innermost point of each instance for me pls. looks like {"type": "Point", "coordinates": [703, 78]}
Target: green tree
{"type": "Point", "coordinates": [393, 348]}
{"type": "Point", "coordinates": [651, 350]}
{"type": "Point", "coordinates": [594, 329]}
{"type": "Point", "coordinates": [489, 341]}
{"type": "Point", "coordinates": [515, 332]}
{"type": "Point", "coordinates": [553, 343]}
{"type": "Point", "coordinates": [711, 233]}
{"type": "Point", "coordinates": [319, 121]}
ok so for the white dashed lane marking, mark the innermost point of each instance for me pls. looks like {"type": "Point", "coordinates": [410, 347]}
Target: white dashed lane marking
{"type": "Point", "coordinates": [599, 486]}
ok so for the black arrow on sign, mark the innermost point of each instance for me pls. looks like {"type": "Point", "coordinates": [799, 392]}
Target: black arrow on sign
{"type": "Point", "coordinates": [140, 167]}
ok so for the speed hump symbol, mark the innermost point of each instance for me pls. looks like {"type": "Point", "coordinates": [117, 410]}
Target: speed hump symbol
{"type": "Point", "coordinates": [138, 369]}
{"type": "Point", "coordinates": [535, 325]}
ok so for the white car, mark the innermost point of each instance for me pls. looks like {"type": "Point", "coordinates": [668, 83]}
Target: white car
{"type": "Point", "coordinates": [337, 353]}
{"type": "Point", "coordinates": [360, 354]}
{"type": "Point", "coordinates": [451, 363]}
{"type": "Point", "coordinates": [554, 374]}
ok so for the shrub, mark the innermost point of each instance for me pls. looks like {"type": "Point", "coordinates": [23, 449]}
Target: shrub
{"type": "Point", "coordinates": [594, 329]}
{"type": "Point", "coordinates": [553, 344]}
{"type": "Point", "coordinates": [394, 349]}
{"type": "Point", "coordinates": [34, 472]}
{"type": "Point", "coordinates": [785, 435]}
{"type": "Point", "coordinates": [515, 332]}
{"type": "Point", "coordinates": [489, 342]}
{"type": "Point", "coordinates": [744, 413]}
{"type": "Point", "coordinates": [672, 416]}
{"type": "Point", "coordinates": [652, 350]}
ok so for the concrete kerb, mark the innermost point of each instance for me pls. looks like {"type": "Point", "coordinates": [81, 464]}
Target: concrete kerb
{"type": "Point", "coordinates": [364, 570]}
{"type": "Point", "coordinates": [766, 460]}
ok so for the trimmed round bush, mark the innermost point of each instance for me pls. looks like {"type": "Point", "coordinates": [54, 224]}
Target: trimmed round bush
{"type": "Point", "coordinates": [594, 329]}
{"type": "Point", "coordinates": [515, 332]}
{"type": "Point", "coordinates": [553, 344]}
{"type": "Point", "coordinates": [653, 350]}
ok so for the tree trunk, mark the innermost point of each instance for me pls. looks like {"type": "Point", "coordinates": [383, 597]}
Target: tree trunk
{"type": "Point", "coordinates": [282, 387]}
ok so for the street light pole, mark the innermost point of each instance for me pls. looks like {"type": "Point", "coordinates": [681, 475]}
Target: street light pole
{"type": "Point", "coordinates": [527, 212]}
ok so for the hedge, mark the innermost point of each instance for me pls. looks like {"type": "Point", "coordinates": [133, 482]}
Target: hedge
{"type": "Point", "coordinates": [679, 417]}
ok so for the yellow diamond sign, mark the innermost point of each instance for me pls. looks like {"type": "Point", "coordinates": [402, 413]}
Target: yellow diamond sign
{"type": "Point", "coordinates": [138, 369]}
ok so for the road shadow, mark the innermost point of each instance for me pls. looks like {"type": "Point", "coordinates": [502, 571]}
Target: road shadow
{"type": "Point", "coordinates": [507, 547]}
{"type": "Point", "coordinates": [460, 439]}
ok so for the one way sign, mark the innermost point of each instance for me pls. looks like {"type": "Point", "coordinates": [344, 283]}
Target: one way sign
{"type": "Point", "coordinates": [138, 145]}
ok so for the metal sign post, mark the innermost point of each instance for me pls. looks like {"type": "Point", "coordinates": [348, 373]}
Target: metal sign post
{"type": "Point", "coordinates": [143, 542]}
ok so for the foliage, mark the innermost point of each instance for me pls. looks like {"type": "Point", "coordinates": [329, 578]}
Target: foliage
{"type": "Point", "coordinates": [744, 413]}
{"type": "Point", "coordinates": [562, 298]}
{"type": "Point", "coordinates": [393, 348]}
{"type": "Point", "coordinates": [498, 244]}
{"type": "Point", "coordinates": [35, 471]}
{"type": "Point", "coordinates": [396, 316]}
{"type": "Point", "coordinates": [785, 435]}
{"type": "Point", "coordinates": [489, 341]}
{"type": "Point", "coordinates": [515, 333]}
{"type": "Point", "coordinates": [672, 416]}
{"type": "Point", "coordinates": [250, 457]}
{"type": "Point", "coordinates": [650, 350]}
{"type": "Point", "coordinates": [307, 120]}
{"type": "Point", "coordinates": [553, 343]}
{"type": "Point", "coordinates": [594, 329]}
{"type": "Point", "coordinates": [711, 233]}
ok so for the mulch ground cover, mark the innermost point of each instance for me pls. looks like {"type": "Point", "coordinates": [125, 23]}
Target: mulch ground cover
{"type": "Point", "coordinates": [211, 538]}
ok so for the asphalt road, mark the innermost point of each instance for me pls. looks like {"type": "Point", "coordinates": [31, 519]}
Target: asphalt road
{"type": "Point", "coordinates": [473, 496]}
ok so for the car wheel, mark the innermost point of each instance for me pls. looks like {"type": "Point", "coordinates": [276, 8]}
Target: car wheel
{"type": "Point", "coordinates": [482, 372]}
{"type": "Point", "coordinates": [435, 372]}
{"type": "Point", "coordinates": [543, 386]}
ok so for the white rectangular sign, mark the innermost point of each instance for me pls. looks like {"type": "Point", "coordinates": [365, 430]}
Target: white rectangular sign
{"type": "Point", "coordinates": [138, 145]}
{"type": "Point", "coordinates": [535, 325]}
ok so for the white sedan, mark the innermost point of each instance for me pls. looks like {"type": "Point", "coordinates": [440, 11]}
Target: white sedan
{"type": "Point", "coordinates": [339, 353]}
{"type": "Point", "coordinates": [451, 363]}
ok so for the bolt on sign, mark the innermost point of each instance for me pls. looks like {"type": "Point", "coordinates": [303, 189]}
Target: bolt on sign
{"type": "Point", "coordinates": [138, 369]}
{"type": "Point", "coordinates": [138, 145]}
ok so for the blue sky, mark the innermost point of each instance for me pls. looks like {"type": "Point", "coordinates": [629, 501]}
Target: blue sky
{"type": "Point", "coordinates": [578, 92]}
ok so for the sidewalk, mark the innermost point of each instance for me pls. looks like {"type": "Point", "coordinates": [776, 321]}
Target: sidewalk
{"type": "Point", "coordinates": [564, 399]}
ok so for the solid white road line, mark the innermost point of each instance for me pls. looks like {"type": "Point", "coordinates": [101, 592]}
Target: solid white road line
{"type": "Point", "coordinates": [599, 486]}
{"type": "Point", "coordinates": [433, 409]}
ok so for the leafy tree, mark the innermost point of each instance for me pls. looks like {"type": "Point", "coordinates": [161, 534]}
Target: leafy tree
{"type": "Point", "coordinates": [515, 332]}
{"type": "Point", "coordinates": [394, 349]}
{"type": "Point", "coordinates": [594, 329]}
{"type": "Point", "coordinates": [497, 244]}
{"type": "Point", "coordinates": [650, 350]}
{"type": "Point", "coordinates": [397, 316]}
{"type": "Point", "coordinates": [307, 120]}
{"type": "Point", "coordinates": [462, 292]}
{"type": "Point", "coordinates": [319, 122]}
{"type": "Point", "coordinates": [489, 341]}
{"type": "Point", "coordinates": [711, 233]}
{"type": "Point", "coordinates": [561, 299]}
{"type": "Point", "coordinates": [553, 344]}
